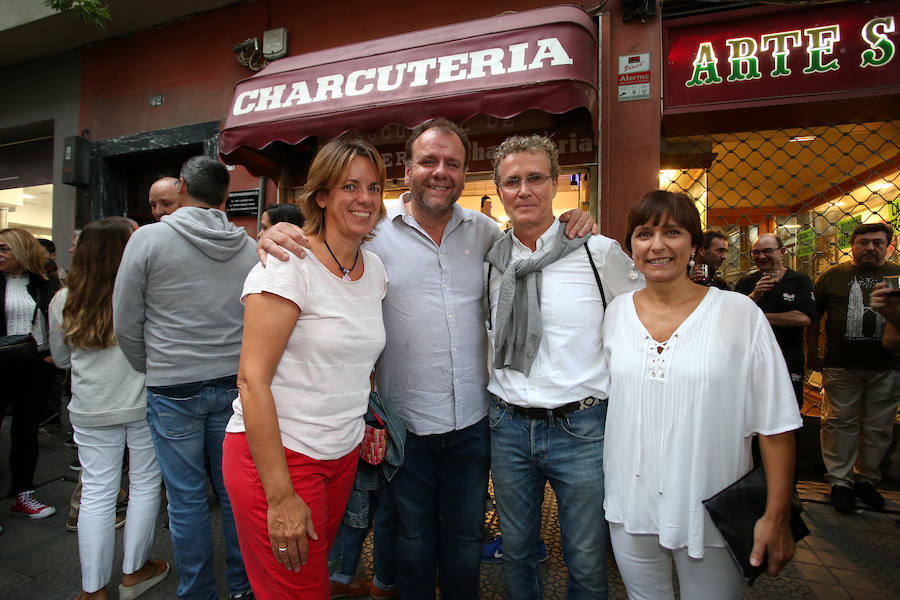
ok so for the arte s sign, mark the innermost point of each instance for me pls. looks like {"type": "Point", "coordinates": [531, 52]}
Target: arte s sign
{"type": "Point", "coordinates": [404, 77]}
{"type": "Point", "coordinates": [815, 50]}
{"type": "Point", "coordinates": [767, 56]}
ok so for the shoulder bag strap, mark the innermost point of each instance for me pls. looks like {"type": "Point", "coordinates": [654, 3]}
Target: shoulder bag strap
{"type": "Point", "coordinates": [596, 276]}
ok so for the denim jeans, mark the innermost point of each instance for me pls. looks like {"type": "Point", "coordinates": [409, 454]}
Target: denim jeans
{"type": "Point", "coordinates": [188, 425]}
{"type": "Point", "coordinates": [439, 494]}
{"type": "Point", "coordinates": [347, 549]}
{"type": "Point", "coordinates": [568, 452]}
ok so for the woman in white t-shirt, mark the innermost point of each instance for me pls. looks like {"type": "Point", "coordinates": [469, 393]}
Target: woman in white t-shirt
{"type": "Point", "coordinates": [312, 331]}
{"type": "Point", "coordinates": [695, 372]}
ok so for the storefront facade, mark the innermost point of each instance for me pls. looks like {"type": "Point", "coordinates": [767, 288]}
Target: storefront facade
{"type": "Point", "coordinates": [787, 121]}
{"type": "Point", "coordinates": [150, 99]}
{"type": "Point", "coordinates": [528, 72]}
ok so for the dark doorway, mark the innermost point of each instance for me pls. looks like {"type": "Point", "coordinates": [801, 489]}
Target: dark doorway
{"type": "Point", "coordinates": [124, 168]}
{"type": "Point", "coordinates": [140, 169]}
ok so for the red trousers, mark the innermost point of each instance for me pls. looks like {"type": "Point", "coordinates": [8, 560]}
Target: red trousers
{"type": "Point", "coordinates": [324, 485]}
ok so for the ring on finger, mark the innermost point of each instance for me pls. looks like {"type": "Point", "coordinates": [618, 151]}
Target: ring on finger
{"type": "Point", "coordinates": [280, 549]}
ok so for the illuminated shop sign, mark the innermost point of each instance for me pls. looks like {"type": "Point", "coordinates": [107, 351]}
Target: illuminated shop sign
{"type": "Point", "coordinates": [848, 48]}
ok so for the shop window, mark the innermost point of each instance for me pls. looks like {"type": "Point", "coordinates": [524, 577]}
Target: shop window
{"type": "Point", "coordinates": [810, 186]}
{"type": "Point", "coordinates": [30, 208]}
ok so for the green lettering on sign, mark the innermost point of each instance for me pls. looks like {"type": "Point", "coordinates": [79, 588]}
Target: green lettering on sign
{"type": "Point", "coordinates": [845, 228]}
{"type": "Point", "coordinates": [743, 60]}
{"type": "Point", "coordinates": [881, 49]}
{"type": "Point", "coordinates": [806, 243]}
{"type": "Point", "coordinates": [821, 42]}
{"type": "Point", "coordinates": [781, 43]}
{"type": "Point", "coordinates": [895, 214]}
{"type": "Point", "coordinates": [705, 72]}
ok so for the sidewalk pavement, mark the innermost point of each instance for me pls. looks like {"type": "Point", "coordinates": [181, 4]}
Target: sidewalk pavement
{"type": "Point", "coordinates": [846, 556]}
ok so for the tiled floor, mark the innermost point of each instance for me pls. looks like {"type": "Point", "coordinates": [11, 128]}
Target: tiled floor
{"type": "Point", "coordinates": [846, 556]}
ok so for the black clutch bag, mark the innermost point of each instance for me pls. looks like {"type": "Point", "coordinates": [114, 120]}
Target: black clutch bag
{"type": "Point", "coordinates": [735, 511]}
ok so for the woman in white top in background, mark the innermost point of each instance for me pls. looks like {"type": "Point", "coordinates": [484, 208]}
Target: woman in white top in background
{"type": "Point", "coordinates": [108, 413]}
{"type": "Point", "coordinates": [696, 372]}
{"type": "Point", "coordinates": [313, 329]}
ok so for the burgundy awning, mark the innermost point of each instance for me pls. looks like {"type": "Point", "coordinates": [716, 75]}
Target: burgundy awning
{"type": "Point", "coordinates": [501, 66]}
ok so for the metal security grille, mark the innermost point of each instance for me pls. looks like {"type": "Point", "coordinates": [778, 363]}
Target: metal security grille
{"type": "Point", "coordinates": [811, 186]}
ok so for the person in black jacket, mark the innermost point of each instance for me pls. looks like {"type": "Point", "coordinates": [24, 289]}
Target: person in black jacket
{"type": "Point", "coordinates": [25, 293]}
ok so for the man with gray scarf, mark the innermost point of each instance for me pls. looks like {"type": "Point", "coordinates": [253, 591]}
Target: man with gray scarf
{"type": "Point", "coordinates": [549, 382]}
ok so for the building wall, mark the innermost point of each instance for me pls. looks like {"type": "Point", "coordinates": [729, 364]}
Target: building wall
{"type": "Point", "coordinates": [47, 90]}
{"type": "Point", "coordinates": [191, 64]}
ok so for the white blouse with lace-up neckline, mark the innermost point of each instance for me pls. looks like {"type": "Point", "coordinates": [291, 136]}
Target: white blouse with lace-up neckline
{"type": "Point", "coordinates": [681, 413]}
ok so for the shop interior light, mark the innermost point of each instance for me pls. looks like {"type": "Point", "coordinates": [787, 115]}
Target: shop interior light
{"type": "Point", "coordinates": [667, 176]}
{"type": "Point", "coordinates": [791, 226]}
{"type": "Point", "coordinates": [802, 138]}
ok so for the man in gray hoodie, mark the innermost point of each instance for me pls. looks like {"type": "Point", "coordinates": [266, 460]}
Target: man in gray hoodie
{"type": "Point", "coordinates": [178, 317]}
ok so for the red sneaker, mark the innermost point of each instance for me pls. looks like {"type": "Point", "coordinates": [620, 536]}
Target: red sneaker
{"type": "Point", "coordinates": [26, 505]}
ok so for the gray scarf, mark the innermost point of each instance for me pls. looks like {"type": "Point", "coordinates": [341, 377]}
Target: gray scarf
{"type": "Point", "coordinates": [518, 328]}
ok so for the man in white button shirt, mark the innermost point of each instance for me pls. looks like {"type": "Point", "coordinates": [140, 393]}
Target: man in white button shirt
{"type": "Point", "coordinates": [550, 378]}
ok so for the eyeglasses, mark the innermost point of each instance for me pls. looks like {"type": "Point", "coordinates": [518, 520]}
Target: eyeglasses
{"type": "Point", "coordinates": [763, 251]}
{"type": "Point", "coordinates": [533, 182]}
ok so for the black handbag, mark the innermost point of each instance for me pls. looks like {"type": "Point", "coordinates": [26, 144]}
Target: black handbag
{"type": "Point", "coordinates": [735, 511]}
{"type": "Point", "coordinates": [17, 348]}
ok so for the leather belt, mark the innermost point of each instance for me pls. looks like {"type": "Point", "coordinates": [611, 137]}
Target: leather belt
{"type": "Point", "coordinates": [558, 412]}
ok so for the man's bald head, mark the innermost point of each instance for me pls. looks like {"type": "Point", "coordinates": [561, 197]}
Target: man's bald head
{"type": "Point", "coordinates": [164, 197]}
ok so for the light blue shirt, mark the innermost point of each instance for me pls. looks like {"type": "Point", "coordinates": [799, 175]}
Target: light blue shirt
{"type": "Point", "coordinates": [433, 369]}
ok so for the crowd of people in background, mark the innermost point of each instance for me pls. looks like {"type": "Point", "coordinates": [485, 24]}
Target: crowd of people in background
{"type": "Point", "coordinates": [634, 383]}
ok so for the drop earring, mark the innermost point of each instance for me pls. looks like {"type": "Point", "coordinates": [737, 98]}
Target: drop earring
{"type": "Point", "coordinates": [633, 273]}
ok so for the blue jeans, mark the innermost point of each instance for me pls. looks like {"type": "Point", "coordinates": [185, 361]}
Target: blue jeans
{"type": "Point", "coordinates": [188, 426]}
{"type": "Point", "coordinates": [439, 494]}
{"type": "Point", "coordinates": [347, 549]}
{"type": "Point", "coordinates": [568, 452]}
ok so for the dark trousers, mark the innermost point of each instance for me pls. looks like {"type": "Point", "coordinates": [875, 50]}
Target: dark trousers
{"type": "Point", "coordinates": [24, 389]}
{"type": "Point", "coordinates": [439, 494]}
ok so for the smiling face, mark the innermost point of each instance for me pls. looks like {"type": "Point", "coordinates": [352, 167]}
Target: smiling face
{"type": "Point", "coordinates": [661, 251]}
{"type": "Point", "coordinates": [435, 173]}
{"type": "Point", "coordinates": [530, 203]}
{"type": "Point", "coordinates": [766, 254]}
{"type": "Point", "coordinates": [353, 206]}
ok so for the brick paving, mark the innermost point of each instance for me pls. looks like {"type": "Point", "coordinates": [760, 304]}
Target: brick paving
{"type": "Point", "coordinates": [847, 556]}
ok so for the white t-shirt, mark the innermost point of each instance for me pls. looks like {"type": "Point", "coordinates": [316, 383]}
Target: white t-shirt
{"type": "Point", "coordinates": [321, 385]}
{"type": "Point", "coordinates": [680, 421]}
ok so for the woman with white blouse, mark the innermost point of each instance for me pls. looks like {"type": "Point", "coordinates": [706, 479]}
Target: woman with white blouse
{"type": "Point", "coordinates": [696, 372]}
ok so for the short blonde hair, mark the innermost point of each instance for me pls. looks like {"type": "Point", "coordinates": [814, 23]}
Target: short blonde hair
{"type": "Point", "coordinates": [330, 163]}
{"type": "Point", "coordinates": [26, 249]}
